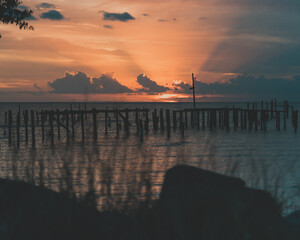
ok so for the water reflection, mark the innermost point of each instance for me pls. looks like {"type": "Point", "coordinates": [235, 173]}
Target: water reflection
{"type": "Point", "coordinates": [119, 172]}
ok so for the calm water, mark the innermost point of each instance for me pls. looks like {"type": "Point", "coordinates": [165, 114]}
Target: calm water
{"type": "Point", "coordinates": [122, 168]}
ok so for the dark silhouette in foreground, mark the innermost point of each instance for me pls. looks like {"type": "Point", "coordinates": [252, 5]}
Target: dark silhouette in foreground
{"type": "Point", "coordinates": [194, 204]}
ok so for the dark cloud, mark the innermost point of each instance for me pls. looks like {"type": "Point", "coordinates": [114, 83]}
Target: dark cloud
{"type": "Point", "coordinates": [146, 15]}
{"type": "Point", "coordinates": [202, 18]}
{"type": "Point", "coordinates": [162, 20]}
{"type": "Point", "coordinates": [31, 18]}
{"type": "Point", "coordinates": [45, 5]}
{"type": "Point", "coordinates": [247, 85]}
{"type": "Point", "coordinates": [108, 26]}
{"type": "Point", "coordinates": [123, 17]}
{"type": "Point", "coordinates": [150, 86]}
{"type": "Point", "coordinates": [80, 83]}
{"type": "Point", "coordinates": [52, 15]}
{"type": "Point", "coordinates": [23, 7]}
{"type": "Point", "coordinates": [36, 86]}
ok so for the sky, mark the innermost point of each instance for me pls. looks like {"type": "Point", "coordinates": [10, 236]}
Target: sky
{"type": "Point", "coordinates": [147, 50]}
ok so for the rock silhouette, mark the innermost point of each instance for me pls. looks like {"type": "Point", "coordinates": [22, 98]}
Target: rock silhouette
{"type": "Point", "coordinates": [193, 204]}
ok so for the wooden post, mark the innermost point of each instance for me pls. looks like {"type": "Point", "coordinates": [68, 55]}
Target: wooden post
{"type": "Point", "coordinates": [181, 123]}
{"type": "Point", "coordinates": [5, 118]}
{"type": "Point", "coordinates": [37, 118]}
{"type": "Point", "coordinates": [161, 116]}
{"type": "Point", "coordinates": [18, 129]}
{"type": "Point", "coordinates": [186, 118]}
{"type": "Point", "coordinates": [241, 119]}
{"type": "Point", "coordinates": [85, 112]}
{"type": "Point", "coordinates": [198, 119]}
{"type": "Point", "coordinates": [127, 122]}
{"type": "Point", "coordinates": [82, 124]}
{"type": "Point", "coordinates": [147, 121]}
{"type": "Point", "coordinates": [207, 118]}
{"type": "Point", "coordinates": [256, 119]}
{"type": "Point", "coordinates": [26, 125]}
{"type": "Point", "coordinates": [267, 108]}
{"type": "Point", "coordinates": [51, 119]}
{"type": "Point", "coordinates": [203, 119]}
{"type": "Point", "coordinates": [106, 116]}
{"type": "Point", "coordinates": [67, 125]}
{"type": "Point", "coordinates": [43, 126]}
{"type": "Point", "coordinates": [296, 120]}
{"type": "Point", "coordinates": [192, 118]}
{"type": "Point", "coordinates": [9, 126]}
{"type": "Point", "coordinates": [58, 123]}
{"type": "Point", "coordinates": [168, 122]}
{"type": "Point", "coordinates": [141, 130]}
{"type": "Point", "coordinates": [284, 120]}
{"type": "Point", "coordinates": [73, 123]}
{"type": "Point", "coordinates": [137, 122]}
{"type": "Point", "coordinates": [117, 121]}
{"type": "Point", "coordinates": [272, 110]}
{"type": "Point", "coordinates": [95, 124]}
{"type": "Point", "coordinates": [32, 129]}
{"type": "Point", "coordinates": [174, 120]}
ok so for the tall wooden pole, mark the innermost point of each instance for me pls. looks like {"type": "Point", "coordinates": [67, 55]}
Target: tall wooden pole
{"type": "Point", "coordinates": [193, 88]}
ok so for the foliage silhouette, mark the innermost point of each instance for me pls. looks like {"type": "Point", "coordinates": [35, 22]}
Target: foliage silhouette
{"type": "Point", "coordinates": [11, 13]}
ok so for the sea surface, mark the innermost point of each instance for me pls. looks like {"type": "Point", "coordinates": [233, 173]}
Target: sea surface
{"type": "Point", "coordinates": [123, 169]}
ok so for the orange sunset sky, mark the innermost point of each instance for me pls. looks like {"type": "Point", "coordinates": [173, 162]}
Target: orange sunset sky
{"type": "Point", "coordinates": [237, 49]}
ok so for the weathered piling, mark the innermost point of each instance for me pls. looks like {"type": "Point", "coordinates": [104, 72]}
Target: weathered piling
{"type": "Point", "coordinates": [174, 120]}
{"type": "Point", "coordinates": [26, 118]}
{"type": "Point", "coordinates": [117, 121]}
{"type": "Point", "coordinates": [67, 125]}
{"type": "Point", "coordinates": [147, 121]}
{"type": "Point", "coordinates": [9, 126]}
{"type": "Point", "coordinates": [51, 120]}
{"type": "Point", "coordinates": [256, 117]}
{"type": "Point", "coordinates": [82, 124]}
{"type": "Point", "coordinates": [95, 135]}
{"type": "Point", "coordinates": [32, 129]}
{"type": "Point", "coordinates": [126, 122]}
{"type": "Point", "coordinates": [137, 122]}
{"type": "Point", "coordinates": [198, 119]}
{"type": "Point", "coordinates": [37, 118]}
{"type": "Point", "coordinates": [161, 117]}
{"type": "Point", "coordinates": [203, 119]}
{"type": "Point", "coordinates": [18, 129]}
{"type": "Point", "coordinates": [58, 123]}
{"type": "Point", "coordinates": [141, 130]}
{"type": "Point", "coordinates": [295, 119]}
{"type": "Point", "coordinates": [192, 119]}
{"type": "Point", "coordinates": [277, 114]}
{"type": "Point", "coordinates": [168, 118]}
{"type": "Point", "coordinates": [43, 124]}
{"type": "Point", "coordinates": [105, 119]}
{"type": "Point", "coordinates": [182, 126]}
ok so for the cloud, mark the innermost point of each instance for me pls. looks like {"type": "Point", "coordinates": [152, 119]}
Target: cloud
{"type": "Point", "coordinates": [123, 17]}
{"type": "Point", "coordinates": [202, 18]}
{"type": "Point", "coordinates": [52, 15]}
{"type": "Point", "coordinates": [36, 86]}
{"type": "Point", "coordinates": [145, 14]}
{"type": "Point", "coordinates": [108, 26]}
{"type": "Point", "coordinates": [246, 85]}
{"type": "Point", "coordinates": [23, 7]}
{"type": "Point", "coordinates": [162, 20]}
{"type": "Point", "coordinates": [80, 83]}
{"type": "Point", "coordinates": [150, 86]}
{"type": "Point", "coordinates": [31, 18]}
{"type": "Point", "coordinates": [45, 5]}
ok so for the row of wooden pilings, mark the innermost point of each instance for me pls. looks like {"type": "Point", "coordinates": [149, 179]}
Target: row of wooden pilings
{"type": "Point", "coordinates": [55, 120]}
